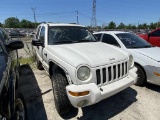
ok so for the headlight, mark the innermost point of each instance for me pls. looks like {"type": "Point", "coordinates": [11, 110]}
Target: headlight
{"type": "Point", "coordinates": [83, 73]}
{"type": "Point", "coordinates": [131, 61]}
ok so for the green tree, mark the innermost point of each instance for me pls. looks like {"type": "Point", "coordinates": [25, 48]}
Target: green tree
{"type": "Point", "coordinates": [140, 26]}
{"type": "Point", "coordinates": [112, 25]}
{"type": "Point", "coordinates": [143, 26]}
{"type": "Point", "coordinates": [1, 25]}
{"type": "Point", "coordinates": [152, 25]}
{"type": "Point", "coordinates": [98, 27]}
{"type": "Point", "coordinates": [130, 26]}
{"type": "Point", "coordinates": [105, 28]}
{"type": "Point", "coordinates": [26, 24]}
{"type": "Point", "coordinates": [121, 26]}
{"type": "Point", "coordinates": [12, 22]}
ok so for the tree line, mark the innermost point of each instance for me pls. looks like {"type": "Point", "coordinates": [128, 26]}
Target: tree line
{"type": "Point", "coordinates": [13, 22]}
{"type": "Point", "coordinates": [112, 25]}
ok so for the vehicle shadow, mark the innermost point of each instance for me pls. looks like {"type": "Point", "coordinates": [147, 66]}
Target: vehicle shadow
{"type": "Point", "coordinates": [32, 94]}
{"type": "Point", "coordinates": [153, 87]}
{"type": "Point", "coordinates": [109, 107]}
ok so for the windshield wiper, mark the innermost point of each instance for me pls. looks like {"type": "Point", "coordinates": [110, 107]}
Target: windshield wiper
{"type": "Point", "coordinates": [134, 47]}
{"type": "Point", "coordinates": [65, 41]}
{"type": "Point", "coordinates": [84, 40]}
{"type": "Point", "coordinates": [147, 46]}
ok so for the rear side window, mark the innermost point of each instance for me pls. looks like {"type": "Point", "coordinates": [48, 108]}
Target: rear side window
{"type": "Point", "coordinates": [110, 40]}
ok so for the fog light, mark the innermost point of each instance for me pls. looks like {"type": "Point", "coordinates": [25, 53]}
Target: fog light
{"type": "Point", "coordinates": [79, 93]}
{"type": "Point", "coordinates": [82, 103]}
{"type": "Point", "coordinates": [157, 74]}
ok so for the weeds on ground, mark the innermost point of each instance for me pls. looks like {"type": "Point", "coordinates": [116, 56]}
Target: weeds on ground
{"type": "Point", "coordinates": [30, 53]}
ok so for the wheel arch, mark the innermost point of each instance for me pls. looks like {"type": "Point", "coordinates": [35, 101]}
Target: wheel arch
{"type": "Point", "coordinates": [54, 67]}
{"type": "Point", "coordinates": [141, 68]}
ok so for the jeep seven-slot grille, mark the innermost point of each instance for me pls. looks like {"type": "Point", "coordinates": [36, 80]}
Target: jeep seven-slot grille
{"type": "Point", "coordinates": [111, 73]}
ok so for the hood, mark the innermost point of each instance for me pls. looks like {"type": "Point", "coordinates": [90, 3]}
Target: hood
{"type": "Point", "coordinates": [3, 62]}
{"type": "Point", "coordinates": [93, 53]}
{"type": "Point", "coordinates": [152, 52]}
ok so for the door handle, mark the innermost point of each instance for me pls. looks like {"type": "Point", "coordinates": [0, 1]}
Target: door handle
{"type": "Point", "coordinates": [45, 54]}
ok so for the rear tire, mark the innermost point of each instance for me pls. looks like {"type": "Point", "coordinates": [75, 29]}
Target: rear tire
{"type": "Point", "coordinates": [62, 103]}
{"type": "Point", "coordinates": [141, 80]}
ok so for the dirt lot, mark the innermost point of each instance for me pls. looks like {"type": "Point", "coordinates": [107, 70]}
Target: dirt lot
{"type": "Point", "coordinates": [134, 103]}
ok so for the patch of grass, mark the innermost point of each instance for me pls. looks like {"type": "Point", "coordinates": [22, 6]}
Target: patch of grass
{"type": "Point", "coordinates": [29, 60]}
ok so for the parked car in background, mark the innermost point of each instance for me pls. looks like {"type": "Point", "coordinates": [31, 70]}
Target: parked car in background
{"type": "Point", "coordinates": [152, 37]}
{"type": "Point", "coordinates": [146, 56]}
{"type": "Point", "coordinates": [15, 33]}
{"type": "Point", "coordinates": [12, 106]}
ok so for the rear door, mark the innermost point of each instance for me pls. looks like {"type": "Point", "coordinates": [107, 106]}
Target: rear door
{"type": "Point", "coordinates": [154, 38]}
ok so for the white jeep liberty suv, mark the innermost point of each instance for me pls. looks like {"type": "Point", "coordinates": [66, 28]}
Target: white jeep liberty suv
{"type": "Point", "coordinates": [83, 71]}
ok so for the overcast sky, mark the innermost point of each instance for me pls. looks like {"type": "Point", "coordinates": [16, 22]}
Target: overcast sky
{"type": "Point", "coordinates": [126, 11]}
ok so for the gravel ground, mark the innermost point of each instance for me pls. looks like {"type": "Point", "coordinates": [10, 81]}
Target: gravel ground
{"type": "Point", "coordinates": [134, 103]}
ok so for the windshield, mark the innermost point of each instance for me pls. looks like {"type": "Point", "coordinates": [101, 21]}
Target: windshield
{"type": "Point", "coordinates": [132, 41]}
{"type": "Point", "coordinates": [69, 34]}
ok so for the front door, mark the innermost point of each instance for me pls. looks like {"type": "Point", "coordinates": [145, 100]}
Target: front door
{"type": "Point", "coordinates": [155, 38]}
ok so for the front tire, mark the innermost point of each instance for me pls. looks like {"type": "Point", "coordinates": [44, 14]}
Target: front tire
{"type": "Point", "coordinates": [141, 76]}
{"type": "Point", "coordinates": [39, 65]}
{"type": "Point", "coordinates": [62, 102]}
{"type": "Point", "coordinates": [20, 108]}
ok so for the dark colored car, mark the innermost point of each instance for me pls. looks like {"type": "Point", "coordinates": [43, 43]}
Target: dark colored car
{"type": "Point", "coordinates": [15, 33]}
{"type": "Point", "coordinates": [12, 105]}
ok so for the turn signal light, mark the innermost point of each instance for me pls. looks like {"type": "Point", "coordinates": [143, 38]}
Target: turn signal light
{"type": "Point", "coordinates": [79, 93]}
{"type": "Point", "coordinates": [157, 74]}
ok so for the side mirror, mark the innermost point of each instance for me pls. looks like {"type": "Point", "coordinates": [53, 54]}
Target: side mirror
{"type": "Point", "coordinates": [15, 44]}
{"type": "Point", "coordinates": [37, 42]}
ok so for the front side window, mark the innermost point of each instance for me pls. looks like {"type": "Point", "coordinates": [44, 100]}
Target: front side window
{"type": "Point", "coordinates": [42, 34]}
{"type": "Point", "coordinates": [38, 30]}
{"type": "Point", "coordinates": [69, 34]}
{"type": "Point", "coordinates": [132, 41]}
{"type": "Point", "coordinates": [110, 40]}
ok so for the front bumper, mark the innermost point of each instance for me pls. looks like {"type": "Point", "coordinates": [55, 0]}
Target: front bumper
{"type": "Point", "coordinates": [153, 74]}
{"type": "Point", "coordinates": [96, 93]}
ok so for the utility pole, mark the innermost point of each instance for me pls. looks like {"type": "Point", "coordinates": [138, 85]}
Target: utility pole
{"type": "Point", "coordinates": [34, 15]}
{"type": "Point", "coordinates": [93, 19]}
{"type": "Point", "coordinates": [77, 17]}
